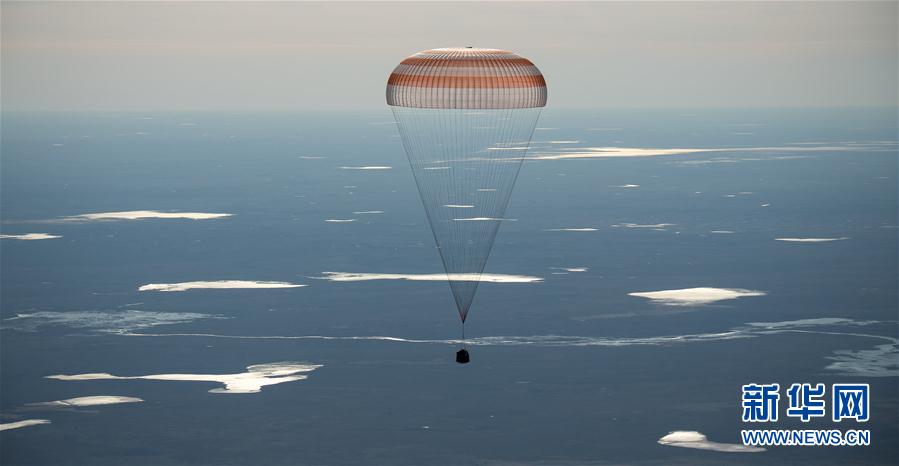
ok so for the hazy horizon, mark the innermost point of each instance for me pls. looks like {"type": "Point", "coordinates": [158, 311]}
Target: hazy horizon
{"type": "Point", "coordinates": [281, 56]}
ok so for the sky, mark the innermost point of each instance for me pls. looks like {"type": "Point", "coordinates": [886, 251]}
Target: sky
{"type": "Point", "coordinates": [290, 56]}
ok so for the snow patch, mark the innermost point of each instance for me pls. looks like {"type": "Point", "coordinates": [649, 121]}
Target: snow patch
{"type": "Point", "coordinates": [216, 285]}
{"type": "Point", "coordinates": [251, 381]}
{"type": "Point", "coordinates": [30, 236]}
{"type": "Point", "coordinates": [695, 296]}
{"type": "Point", "coordinates": [693, 439]}
{"type": "Point", "coordinates": [439, 277]}
{"type": "Point", "coordinates": [88, 401]}
{"type": "Point", "coordinates": [24, 423]}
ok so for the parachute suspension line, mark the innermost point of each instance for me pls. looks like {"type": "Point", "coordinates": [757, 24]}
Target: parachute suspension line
{"type": "Point", "coordinates": [466, 118]}
{"type": "Point", "coordinates": [465, 163]}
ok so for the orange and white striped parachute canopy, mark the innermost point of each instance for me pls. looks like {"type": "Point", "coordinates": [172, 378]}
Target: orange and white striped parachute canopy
{"type": "Point", "coordinates": [466, 78]}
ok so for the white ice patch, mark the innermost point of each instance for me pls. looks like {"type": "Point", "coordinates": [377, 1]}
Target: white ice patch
{"type": "Point", "coordinates": [623, 152]}
{"type": "Point", "coordinates": [217, 285]}
{"type": "Point", "coordinates": [721, 232]}
{"type": "Point", "coordinates": [638, 225]}
{"type": "Point", "coordinates": [102, 321]}
{"type": "Point", "coordinates": [368, 167]}
{"type": "Point", "coordinates": [612, 152]}
{"type": "Point", "coordinates": [251, 381]}
{"type": "Point", "coordinates": [340, 220]}
{"type": "Point", "coordinates": [24, 423]}
{"type": "Point", "coordinates": [572, 269]}
{"type": "Point", "coordinates": [30, 236]}
{"type": "Point", "coordinates": [145, 214]}
{"type": "Point", "coordinates": [693, 439]}
{"type": "Point", "coordinates": [880, 361]}
{"type": "Point", "coordinates": [811, 240]}
{"type": "Point", "coordinates": [695, 296]}
{"type": "Point", "coordinates": [88, 401]}
{"type": "Point", "coordinates": [821, 321]}
{"type": "Point", "coordinates": [430, 277]}
{"type": "Point", "coordinates": [628, 186]}
{"type": "Point", "coordinates": [459, 206]}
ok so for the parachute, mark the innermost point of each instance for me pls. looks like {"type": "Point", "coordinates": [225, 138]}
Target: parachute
{"type": "Point", "coordinates": [466, 117]}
